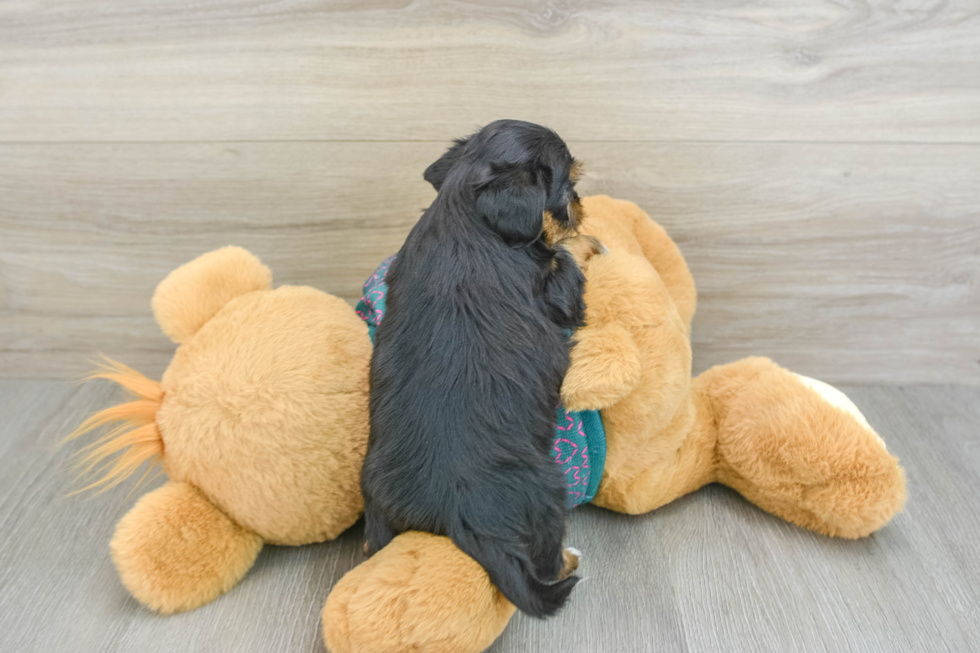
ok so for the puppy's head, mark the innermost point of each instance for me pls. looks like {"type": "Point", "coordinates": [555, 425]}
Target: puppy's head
{"type": "Point", "coordinates": [520, 177]}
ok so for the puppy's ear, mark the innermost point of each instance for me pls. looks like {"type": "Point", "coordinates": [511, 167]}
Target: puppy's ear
{"type": "Point", "coordinates": [437, 172]}
{"type": "Point", "coordinates": [512, 201]}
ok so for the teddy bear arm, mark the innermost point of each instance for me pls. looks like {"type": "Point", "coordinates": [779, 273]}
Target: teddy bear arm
{"type": "Point", "coordinates": [175, 551]}
{"type": "Point", "coordinates": [419, 593]}
{"type": "Point", "coordinates": [604, 368]}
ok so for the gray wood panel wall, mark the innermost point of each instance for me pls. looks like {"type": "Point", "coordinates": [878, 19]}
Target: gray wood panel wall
{"type": "Point", "coordinates": [819, 163]}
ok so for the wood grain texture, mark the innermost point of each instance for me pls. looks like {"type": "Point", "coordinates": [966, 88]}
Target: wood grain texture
{"type": "Point", "coordinates": [708, 572]}
{"type": "Point", "coordinates": [816, 160]}
{"type": "Point", "coordinates": [58, 587]}
{"type": "Point", "coordinates": [845, 262]}
{"type": "Point", "coordinates": [814, 70]}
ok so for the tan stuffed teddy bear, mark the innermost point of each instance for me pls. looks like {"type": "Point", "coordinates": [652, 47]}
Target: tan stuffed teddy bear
{"type": "Point", "coordinates": [261, 422]}
{"type": "Point", "coordinates": [794, 446]}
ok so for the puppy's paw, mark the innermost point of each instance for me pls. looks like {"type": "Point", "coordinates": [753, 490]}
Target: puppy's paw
{"type": "Point", "coordinates": [583, 248]}
{"type": "Point", "coordinates": [571, 558]}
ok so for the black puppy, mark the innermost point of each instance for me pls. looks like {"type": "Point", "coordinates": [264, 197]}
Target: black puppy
{"type": "Point", "coordinates": [469, 360]}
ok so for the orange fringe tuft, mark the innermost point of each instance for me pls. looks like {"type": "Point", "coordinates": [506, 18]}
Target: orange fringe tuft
{"type": "Point", "coordinates": [138, 437]}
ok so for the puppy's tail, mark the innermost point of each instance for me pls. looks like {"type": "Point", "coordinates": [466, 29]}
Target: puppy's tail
{"type": "Point", "coordinates": [513, 575]}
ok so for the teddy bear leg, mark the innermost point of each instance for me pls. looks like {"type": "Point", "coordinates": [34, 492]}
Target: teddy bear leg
{"type": "Point", "coordinates": [419, 593]}
{"type": "Point", "coordinates": [175, 551]}
{"type": "Point", "coordinates": [800, 453]}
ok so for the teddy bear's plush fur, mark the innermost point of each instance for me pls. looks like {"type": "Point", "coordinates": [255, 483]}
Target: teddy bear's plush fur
{"type": "Point", "coordinates": [261, 424]}
{"type": "Point", "coordinates": [793, 446]}
{"type": "Point", "coordinates": [750, 424]}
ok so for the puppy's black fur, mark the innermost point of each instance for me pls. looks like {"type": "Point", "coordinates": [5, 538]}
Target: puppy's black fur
{"type": "Point", "coordinates": [469, 360]}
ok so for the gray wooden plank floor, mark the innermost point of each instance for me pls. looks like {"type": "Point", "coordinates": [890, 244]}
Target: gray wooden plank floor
{"type": "Point", "coordinates": [707, 573]}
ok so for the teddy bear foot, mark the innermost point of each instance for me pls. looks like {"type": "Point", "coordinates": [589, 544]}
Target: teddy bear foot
{"type": "Point", "coordinates": [175, 551]}
{"type": "Point", "coordinates": [801, 450]}
{"type": "Point", "coordinates": [419, 593]}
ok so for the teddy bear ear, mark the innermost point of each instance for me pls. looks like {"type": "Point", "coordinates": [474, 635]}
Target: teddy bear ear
{"type": "Point", "coordinates": [195, 292]}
